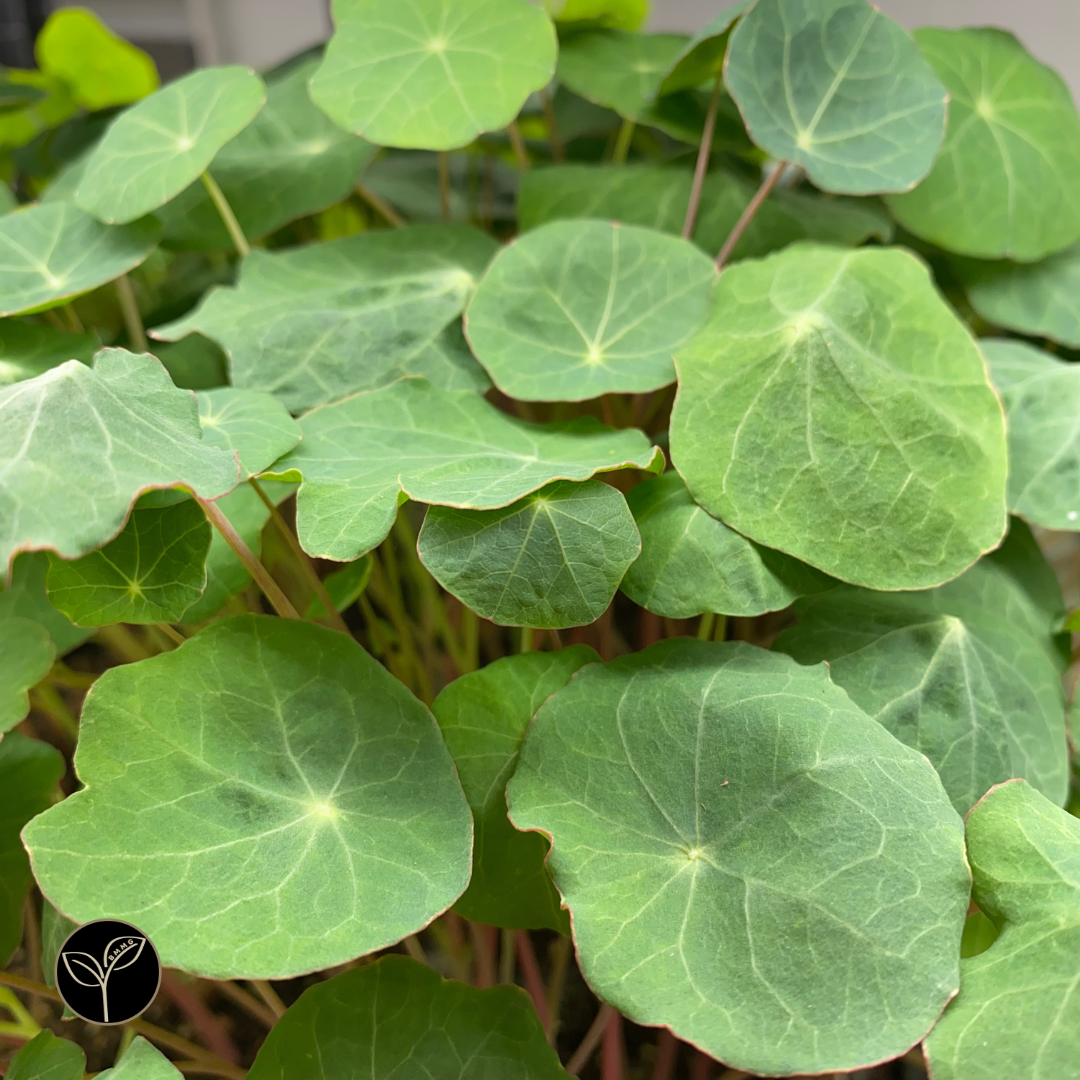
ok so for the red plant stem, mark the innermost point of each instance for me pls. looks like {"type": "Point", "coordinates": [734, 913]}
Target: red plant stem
{"type": "Point", "coordinates": [557, 154]}
{"type": "Point", "coordinates": [612, 1065]}
{"type": "Point", "coordinates": [701, 1066]}
{"type": "Point", "coordinates": [581, 1055]}
{"type": "Point", "coordinates": [747, 215]}
{"type": "Point", "coordinates": [667, 1052]}
{"type": "Point", "coordinates": [485, 940]}
{"type": "Point", "coordinates": [702, 161]}
{"type": "Point", "coordinates": [534, 983]}
{"type": "Point", "coordinates": [186, 998]}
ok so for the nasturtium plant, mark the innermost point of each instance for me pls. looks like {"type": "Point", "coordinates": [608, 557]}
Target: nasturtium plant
{"type": "Point", "coordinates": [534, 548]}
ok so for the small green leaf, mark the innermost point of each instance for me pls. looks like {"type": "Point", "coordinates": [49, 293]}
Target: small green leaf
{"type": "Point", "coordinates": [746, 857]}
{"type": "Point", "coordinates": [1040, 299]}
{"type": "Point", "coordinates": [317, 323]}
{"type": "Point", "coordinates": [102, 69]}
{"type": "Point", "coordinates": [297, 789]}
{"type": "Point", "coordinates": [1017, 1013]}
{"type": "Point", "coordinates": [291, 160]}
{"type": "Point", "coordinates": [25, 597]}
{"type": "Point", "coordinates": [28, 349]}
{"type": "Point", "coordinates": [26, 655]}
{"type": "Point", "coordinates": [194, 362]}
{"type": "Point", "coordinates": [1041, 395]}
{"type": "Point", "coordinates": [483, 717]}
{"type": "Point", "coordinates": [628, 14]}
{"type": "Point", "coordinates": [578, 309]}
{"type": "Point", "coordinates": [433, 74]}
{"type": "Point", "coordinates": [837, 87]}
{"type": "Point", "coordinates": [1004, 184]}
{"type": "Point", "coordinates": [451, 449]}
{"type": "Point", "coordinates": [141, 1061]}
{"type": "Point", "coordinates": [151, 573]}
{"type": "Point", "coordinates": [29, 772]}
{"type": "Point", "coordinates": [691, 563]}
{"type": "Point", "coordinates": [54, 251]}
{"type": "Point", "coordinates": [45, 1057]}
{"type": "Point", "coordinates": [49, 103]}
{"type": "Point", "coordinates": [158, 147]}
{"type": "Point", "coordinates": [344, 587]}
{"type": "Point", "coordinates": [701, 59]}
{"type": "Point", "coordinates": [1072, 623]}
{"type": "Point", "coordinates": [254, 425]}
{"type": "Point", "coordinates": [81, 444]}
{"type": "Point", "coordinates": [554, 559]}
{"type": "Point", "coordinates": [402, 1020]}
{"type": "Point", "coordinates": [835, 408]}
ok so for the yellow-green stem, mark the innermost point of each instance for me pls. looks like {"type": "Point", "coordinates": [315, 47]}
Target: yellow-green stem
{"type": "Point", "coordinates": [622, 143]}
{"type": "Point", "coordinates": [232, 226]}
{"type": "Point", "coordinates": [129, 307]}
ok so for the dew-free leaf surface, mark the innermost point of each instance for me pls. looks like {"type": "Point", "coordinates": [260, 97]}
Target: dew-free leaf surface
{"type": "Point", "coordinates": [46, 1057]}
{"type": "Point", "coordinates": [158, 147]}
{"type": "Point", "coordinates": [253, 424]}
{"type": "Point", "coordinates": [25, 597]}
{"type": "Point", "coordinates": [79, 444]}
{"type": "Point", "coordinates": [835, 408]}
{"type": "Point", "coordinates": [142, 1061]}
{"type": "Point", "coordinates": [1004, 184]}
{"type": "Point", "coordinates": [553, 559]}
{"type": "Point", "coordinates": [1017, 1012]}
{"type": "Point", "coordinates": [702, 57]}
{"type": "Point", "coordinates": [399, 1020]}
{"type": "Point", "coordinates": [576, 309]}
{"type": "Point", "coordinates": [483, 717]}
{"type": "Point", "coordinates": [1042, 404]}
{"type": "Point", "coordinates": [447, 448]}
{"type": "Point", "coordinates": [628, 14]}
{"type": "Point", "coordinates": [28, 349]}
{"type": "Point", "coordinates": [29, 771]}
{"type": "Point", "coordinates": [287, 802]}
{"type": "Point", "coordinates": [317, 323]}
{"type": "Point", "coordinates": [837, 87]}
{"type": "Point", "coordinates": [52, 252]}
{"type": "Point", "coordinates": [26, 654]}
{"type": "Point", "coordinates": [433, 74]}
{"type": "Point", "coordinates": [691, 563]}
{"type": "Point", "coordinates": [151, 573]}
{"type": "Point", "coordinates": [747, 858]}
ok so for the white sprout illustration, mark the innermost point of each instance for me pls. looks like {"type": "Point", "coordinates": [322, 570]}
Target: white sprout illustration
{"type": "Point", "coordinates": [124, 954]}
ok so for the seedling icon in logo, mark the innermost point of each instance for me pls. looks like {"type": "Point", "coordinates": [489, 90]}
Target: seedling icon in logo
{"type": "Point", "coordinates": [116, 967]}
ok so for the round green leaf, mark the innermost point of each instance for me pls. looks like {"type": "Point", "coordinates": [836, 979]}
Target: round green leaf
{"type": "Point", "coordinates": [554, 559]}
{"type": "Point", "coordinates": [26, 655]}
{"type": "Point", "coordinates": [399, 1020]}
{"type": "Point", "coordinates": [1042, 401]}
{"type": "Point", "coordinates": [297, 793]}
{"type": "Point", "coordinates": [25, 598]}
{"type": "Point", "coordinates": [433, 74]}
{"type": "Point", "coordinates": [141, 1061]}
{"type": "Point", "coordinates": [1017, 1013]}
{"type": "Point", "coordinates": [52, 252]}
{"type": "Point", "coordinates": [27, 349]}
{"type": "Point", "coordinates": [194, 362]}
{"type": "Point", "coordinates": [254, 425]}
{"type": "Point", "coordinates": [835, 408]}
{"type": "Point", "coordinates": [702, 57]}
{"type": "Point", "coordinates": [483, 717]}
{"type": "Point", "coordinates": [838, 88]}
{"type": "Point", "coordinates": [451, 449]}
{"type": "Point", "coordinates": [578, 309]}
{"type": "Point", "coordinates": [1004, 184]}
{"type": "Point", "coordinates": [746, 857]}
{"type": "Point", "coordinates": [81, 444]}
{"type": "Point", "coordinates": [317, 323]}
{"type": "Point", "coordinates": [45, 1057]}
{"type": "Point", "coordinates": [151, 573]}
{"type": "Point", "coordinates": [691, 563]}
{"type": "Point", "coordinates": [158, 147]}
{"type": "Point", "coordinates": [629, 14]}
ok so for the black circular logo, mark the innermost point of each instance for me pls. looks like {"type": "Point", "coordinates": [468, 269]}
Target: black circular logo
{"type": "Point", "coordinates": [108, 972]}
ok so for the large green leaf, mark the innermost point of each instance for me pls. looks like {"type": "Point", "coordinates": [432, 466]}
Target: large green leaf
{"type": "Point", "coordinates": [28, 349]}
{"type": "Point", "coordinates": [158, 147]}
{"type": "Point", "coordinates": [1017, 1013]}
{"type": "Point", "coordinates": [1042, 402]}
{"type": "Point", "coordinates": [577, 309]}
{"type": "Point", "coordinates": [25, 597]}
{"type": "Point", "coordinates": [836, 408]}
{"type": "Point", "coordinates": [746, 857]}
{"type": "Point", "coordinates": [45, 1057]}
{"type": "Point", "coordinates": [975, 692]}
{"type": "Point", "coordinates": [399, 1020]}
{"type": "Point", "coordinates": [290, 161]}
{"type": "Point", "coordinates": [141, 1061]}
{"type": "Point", "coordinates": [29, 772]}
{"type": "Point", "coordinates": [26, 655]}
{"type": "Point", "coordinates": [80, 444]}
{"type": "Point", "coordinates": [552, 559]}
{"type": "Point", "coordinates": [1004, 184]}
{"type": "Point", "coordinates": [433, 74]}
{"type": "Point", "coordinates": [691, 563]}
{"type": "Point", "coordinates": [451, 449]}
{"type": "Point", "coordinates": [702, 57]}
{"type": "Point", "coordinates": [52, 252]}
{"type": "Point", "coordinates": [316, 323]}
{"type": "Point", "coordinates": [483, 717]}
{"type": "Point", "coordinates": [657, 196]}
{"type": "Point", "coordinates": [838, 88]}
{"type": "Point", "coordinates": [296, 790]}
{"type": "Point", "coordinates": [254, 425]}
{"type": "Point", "coordinates": [151, 573]}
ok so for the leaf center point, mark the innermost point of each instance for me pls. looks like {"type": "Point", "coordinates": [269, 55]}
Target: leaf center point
{"type": "Point", "coordinates": [324, 809]}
